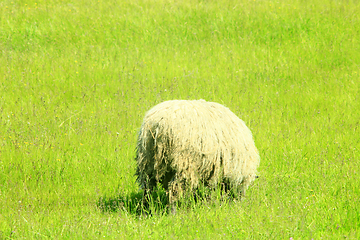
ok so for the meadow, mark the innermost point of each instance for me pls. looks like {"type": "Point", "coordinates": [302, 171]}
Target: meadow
{"type": "Point", "coordinates": [76, 78]}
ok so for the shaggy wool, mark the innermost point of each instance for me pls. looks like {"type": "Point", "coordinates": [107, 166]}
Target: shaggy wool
{"type": "Point", "coordinates": [185, 143]}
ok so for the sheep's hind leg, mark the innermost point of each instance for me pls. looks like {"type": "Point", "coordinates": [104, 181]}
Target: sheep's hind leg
{"type": "Point", "coordinates": [175, 191]}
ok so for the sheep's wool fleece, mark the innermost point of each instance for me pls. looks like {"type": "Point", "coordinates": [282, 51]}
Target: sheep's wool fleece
{"type": "Point", "coordinates": [191, 142]}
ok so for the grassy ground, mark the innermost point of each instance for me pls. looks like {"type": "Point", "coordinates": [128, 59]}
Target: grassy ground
{"type": "Point", "coordinates": [76, 78]}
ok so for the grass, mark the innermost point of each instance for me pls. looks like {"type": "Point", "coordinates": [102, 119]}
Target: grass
{"type": "Point", "coordinates": [76, 78]}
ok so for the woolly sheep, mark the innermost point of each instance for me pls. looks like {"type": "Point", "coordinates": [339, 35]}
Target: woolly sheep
{"type": "Point", "coordinates": [185, 143]}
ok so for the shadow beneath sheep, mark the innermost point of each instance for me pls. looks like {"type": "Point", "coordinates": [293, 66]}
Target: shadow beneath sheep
{"type": "Point", "coordinates": [134, 203]}
{"type": "Point", "coordinates": [157, 202]}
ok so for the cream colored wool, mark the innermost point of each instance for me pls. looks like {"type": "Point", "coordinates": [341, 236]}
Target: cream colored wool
{"type": "Point", "coordinates": [183, 143]}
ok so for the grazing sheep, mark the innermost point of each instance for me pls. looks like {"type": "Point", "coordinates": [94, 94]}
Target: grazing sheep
{"type": "Point", "coordinates": [183, 143]}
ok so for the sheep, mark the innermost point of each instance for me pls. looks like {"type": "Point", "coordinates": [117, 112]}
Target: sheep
{"type": "Point", "coordinates": [185, 143]}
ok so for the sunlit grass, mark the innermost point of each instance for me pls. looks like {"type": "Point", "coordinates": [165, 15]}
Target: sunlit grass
{"type": "Point", "coordinates": [76, 79]}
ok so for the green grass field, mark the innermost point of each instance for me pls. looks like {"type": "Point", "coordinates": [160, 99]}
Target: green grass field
{"type": "Point", "coordinates": [76, 78]}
